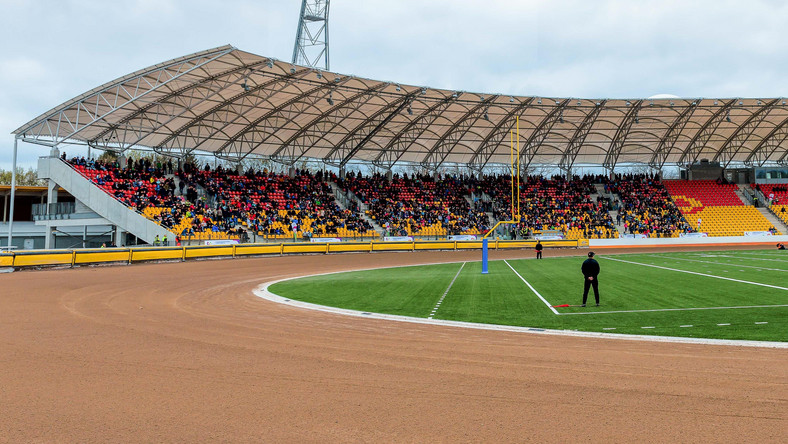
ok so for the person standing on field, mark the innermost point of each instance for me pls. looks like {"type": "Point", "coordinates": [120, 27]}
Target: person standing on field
{"type": "Point", "coordinates": [538, 249]}
{"type": "Point", "coordinates": [590, 271]}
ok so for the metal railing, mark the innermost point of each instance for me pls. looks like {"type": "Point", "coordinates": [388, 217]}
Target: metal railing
{"type": "Point", "coordinates": [58, 210]}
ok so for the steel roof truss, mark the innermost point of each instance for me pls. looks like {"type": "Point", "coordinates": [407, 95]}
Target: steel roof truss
{"type": "Point", "coordinates": [736, 141]}
{"type": "Point", "coordinates": [190, 135]}
{"type": "Point", "coordinates": [355, 140]}
{"type": "Point", "coordinates": [668, 141]}
{"type": "Point", "coordinates": [620, 138]}
{"type": "Point", "coordinates": [451, 138]}
{"type": "Point", "coordinates": [306, 137]}
{"type": "Point", "coordinates": [401, 142]}
{"type": "Point", "coordinates": [98, 106]}
{"type": "Point", "coordinates": [495, 137]}
{"type": "Point", "coordinates": [539, 135]}
{"type": "Point", "coordinates": [576, 142]}
{"type": "Point", "coordinates": [701, 138]}
{"type": "Point", "coordinates": [768, 146]}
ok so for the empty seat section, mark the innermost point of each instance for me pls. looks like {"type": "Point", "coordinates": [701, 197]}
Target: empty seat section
{"type": "Point", "coordinates": [719, 210]}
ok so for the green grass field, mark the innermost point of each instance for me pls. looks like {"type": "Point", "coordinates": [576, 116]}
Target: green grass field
{"type": "Point", "coordinates": [724, 295]}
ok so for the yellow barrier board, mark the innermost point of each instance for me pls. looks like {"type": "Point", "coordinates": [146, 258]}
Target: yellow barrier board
{"type": "Point", "coordinates": [6, 260]}
{"type": "Point", "coordinates": [515, 244]}
{"type": "Point", "coordinates": [392, 246]}
{"type": "Point", "coordinates": [42, 258]}
{"type": "Point", "coordinates": [209, 251]}
{"type": "Point", "coordinates": [473, 245]}
{"type": "Point", "coordinates": [246, 250]}
{"type": "Point", "coordinates": [156, 254]}
{"type": "Point", "coordinates": [559, 243]}
{"type": "Point", "coordinates": [100, 256]}
{"type": "Point", "coordinates": [434, 245]}
{"type": "Point", "coordinates": [304, 248]}
{"type": "Point", "coordinates": [349, 247]}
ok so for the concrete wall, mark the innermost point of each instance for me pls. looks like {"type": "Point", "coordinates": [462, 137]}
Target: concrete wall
{"type": "Point", "coordinates": [99, 201]}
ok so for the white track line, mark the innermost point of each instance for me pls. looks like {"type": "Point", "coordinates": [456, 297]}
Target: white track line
{"type": "Point", "coordinates": [532, 289]}
{"type": "Point", "coordinates": [698, 274]}
{"type": "Point", "coordinates": [720, 263]}
{"type": "Point", "coordinates": [438, 305]}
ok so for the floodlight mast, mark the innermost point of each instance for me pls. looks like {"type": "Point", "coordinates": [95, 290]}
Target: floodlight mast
{"type": "Point", "coordinates": [311, 43]}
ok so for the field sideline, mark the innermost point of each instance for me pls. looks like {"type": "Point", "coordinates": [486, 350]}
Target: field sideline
{"type": "Point", "coordinates": [716, 294]}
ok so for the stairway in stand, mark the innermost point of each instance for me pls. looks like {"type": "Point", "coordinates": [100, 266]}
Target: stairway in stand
{"type": "Point", "coordinates": [775, 221]}
{"type": "Point", "coordinates": [342, 198]}
{"type": "Point", "coordinates": [600, 189]}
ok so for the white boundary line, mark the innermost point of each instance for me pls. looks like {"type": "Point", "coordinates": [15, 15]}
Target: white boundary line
{"type": "Point", "coordinates": [720, 263]}
{"type": "Point", "coordinates": [438, 305]}
{"type": "Point", "coordinates": [698, 274]}
{"type": "Point", "coordinates": [770, 259]}
{"type": "Point", "coordinates": [532, 289]}
{"type": "Point", "coordinates": [263, 293]}
{"type": "Point", "coordinates": [672, 309]}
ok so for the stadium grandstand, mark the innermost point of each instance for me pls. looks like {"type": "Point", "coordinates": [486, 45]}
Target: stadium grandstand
{"type": "Point", "coordinates": [437, 162]}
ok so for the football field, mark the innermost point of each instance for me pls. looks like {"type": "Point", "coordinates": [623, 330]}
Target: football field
{"type": "Point", "coordinates": [720, 294]}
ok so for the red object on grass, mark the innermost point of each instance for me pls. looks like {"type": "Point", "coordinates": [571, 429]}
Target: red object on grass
{"type": "Point", "coordinates": [562, 305]}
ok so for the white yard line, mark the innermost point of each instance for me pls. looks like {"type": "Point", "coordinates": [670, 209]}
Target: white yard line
{"type": "Point", "coordinates": [770, 259]}
{"type": "Point", "coordinates": [698, 274]}
{"type": "Point", "coordinates": [718, 263]}
{"type": "Point", "coordinates": [532, 288]}
{"type": "Point", "coordinates": [440, 301]}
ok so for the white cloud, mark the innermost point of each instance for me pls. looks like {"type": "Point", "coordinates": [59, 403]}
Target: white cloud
{"type": "Point", "coordinates": [53, 50]}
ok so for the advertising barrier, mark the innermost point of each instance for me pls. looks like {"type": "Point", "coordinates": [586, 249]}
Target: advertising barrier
{"type": "Point", "coordinates": [461, 237]}
{"type": "Point", "coordinates": [325, 239]}
{"type": "Point", "coordinates": [549, 237]}
{"type": "Point", "coordinates": [222, 242]}
{"type": "Point", "coordinates": [398, 239]}
{"type": "Point", "coordinates": [757, 233]}
{"type": "Point", "coordinates": [128, 255]}
{"type": "Point", "coordinates": [632, 236]}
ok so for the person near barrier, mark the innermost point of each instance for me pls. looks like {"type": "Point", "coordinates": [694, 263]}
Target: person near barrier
{"type": "Point", "coordinates": [590, 271]}
{"type": "Point", "coordinates": [538, 249]}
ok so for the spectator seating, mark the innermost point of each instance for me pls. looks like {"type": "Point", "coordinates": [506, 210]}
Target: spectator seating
{"type": "Point", "coordinates": [553, 204]}
{"type": "Point", "coordinates": [417, 205]}
{"type": "Point", "coordinates": [264, 202]}
{"type": "Point", "coordinates": [218, 204]}
{"type": "Point", "coordinates": [781, 211]}
{"type": "Point", "coordinates": [776, 194]}
{"type": "Point", "coordinates": [720, 210]}
{"type": "Point", "coordinates": [646, 207]}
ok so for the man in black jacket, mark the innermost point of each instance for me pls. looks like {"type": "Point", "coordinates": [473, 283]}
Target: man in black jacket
{"type": "Point", "coordinates": [590, 271]}
{"type": "Point", "coordinates": [538, 249]}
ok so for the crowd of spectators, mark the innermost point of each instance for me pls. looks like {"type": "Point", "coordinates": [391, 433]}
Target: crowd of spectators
{"type": "Point", "coordinates": [552, 204]}
{"type": "Point", "coordinates": [221, 202]}
{"type": "Point", "coordinates": [190, 200]}
{"type": "Point", "coordinates": [418, 204]}
{"type": "Point", "coordinates": [273, 204]}
{"type": "Point", "coordinates": [645, 206]}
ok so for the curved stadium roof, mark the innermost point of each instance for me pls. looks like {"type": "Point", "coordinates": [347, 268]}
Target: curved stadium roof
{"type": "Point", "coordinates": [235, 104]}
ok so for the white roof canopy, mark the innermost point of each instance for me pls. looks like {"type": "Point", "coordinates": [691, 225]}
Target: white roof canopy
{"type": "Point", "coordinates": [233, 104]}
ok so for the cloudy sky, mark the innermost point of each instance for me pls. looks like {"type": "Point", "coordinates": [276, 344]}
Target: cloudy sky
{"type": "Point", "coordinates": [54, 50]}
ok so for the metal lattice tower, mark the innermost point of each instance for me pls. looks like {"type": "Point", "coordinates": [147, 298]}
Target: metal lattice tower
{"type": "Point", "coordinates": [311, 43]}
